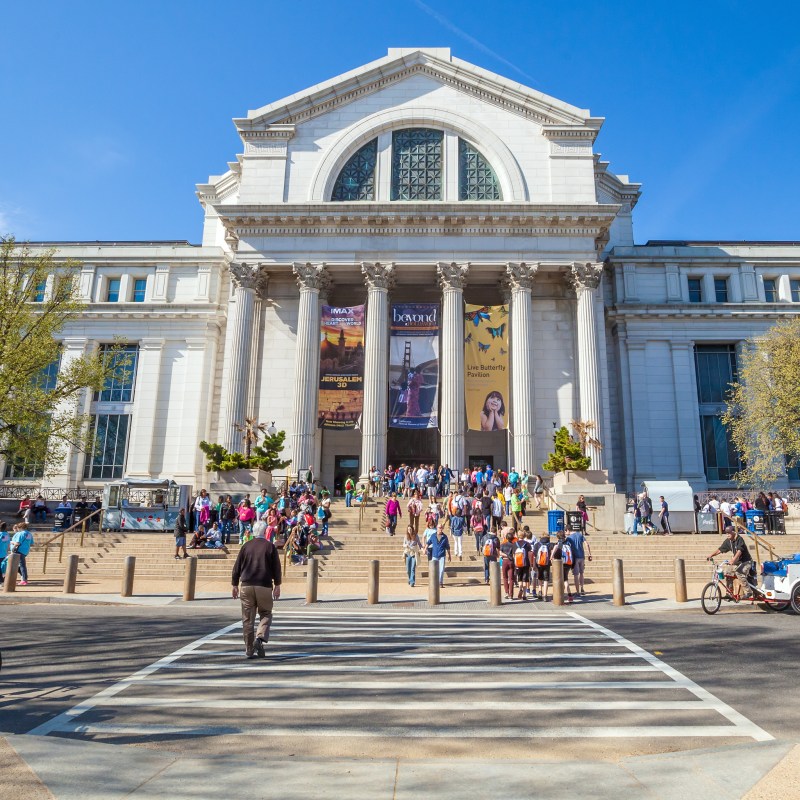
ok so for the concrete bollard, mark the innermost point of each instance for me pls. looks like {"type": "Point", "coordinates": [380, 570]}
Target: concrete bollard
{"type": "Point", "coordinates": [127, 576]}
{"type": "Point", "coordinates": [619, 583]}
{"type": "Point", "coordinates": [681, 595]}
{"type": "Point", "coordinates": [12, 567]}
{"type": "Point", "coordinates": [557, 568]}
{"type": "Point", "coordinates": [433, 582]}
{"type": "Point", "coordinates": [495, 595]}
{"type": "Point", "coordinates": [189, 578]}
{"type": "Point", "coordinates": [71, 575]}
{"type": "Point", "coordinates": [374, 582]}
{"type": "Point", "coordinates": [312, 580]}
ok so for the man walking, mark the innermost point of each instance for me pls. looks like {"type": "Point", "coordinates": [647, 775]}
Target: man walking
{"type": "Point", "coordinates": [439, 546]}
{"type": "Point", "coordinates": [663, 516]}
{"type": "Point", "coordinates": [21, 543]}
{"type": "Point", "coordinates": [580, 551]}
{"type": "Point", "coordinates": [256, 581]}
{"type": "Point", "coordinates": [181, 529]}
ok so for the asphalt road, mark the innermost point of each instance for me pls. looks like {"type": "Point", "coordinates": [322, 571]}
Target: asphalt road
{"type": "Point", "coordinates": [55, 657]}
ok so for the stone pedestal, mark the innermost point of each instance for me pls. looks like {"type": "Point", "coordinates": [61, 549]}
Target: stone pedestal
{"type": "Point", "coordinates": [606, 505]}
{"type": "Point", "coordinates": [239, 482]}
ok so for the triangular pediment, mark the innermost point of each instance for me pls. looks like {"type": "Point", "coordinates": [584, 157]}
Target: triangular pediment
{"type": "Point", "coordinates": [400, 64]}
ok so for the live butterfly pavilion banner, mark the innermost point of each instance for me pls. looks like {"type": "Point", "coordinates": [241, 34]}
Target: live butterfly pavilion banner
{"type": "Point", "coordinates": [486, 367]}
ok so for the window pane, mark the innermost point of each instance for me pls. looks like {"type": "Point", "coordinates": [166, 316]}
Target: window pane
{"type": "Point", "coordinates": [720, 458]}
{"type": "Point", "coordinates": [139, 288]}
{"type": "Point", "coordinates": [356, 181]}
{"type": "Point", "coordinates": [119, 385]}
{"type": "Point", "coordinates": [716, 370]}
{"type": "Point", "coordinates": [417, 164]}
{"type": "Point", "coordinates": [695, 290]}
{"type": "Point", "coordinates": [721, 289]}
{"type": "Point", "coordinates": [476, 179]}
{"type": "Point", "coordinates": [48, 376]}
{"type": "Point", "coordinates": [38, 296]}
{"type": "Point", "coordinates": [770, 290]}
{"type": "Point", "coordinates": [112, 295]}
{"type": "Point", "coordinates": [107, 460]}
{"type": "Point", "coordinates": [795, 286]}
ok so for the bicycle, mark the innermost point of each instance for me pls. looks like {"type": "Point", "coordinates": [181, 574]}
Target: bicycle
{"type": "Point", "coordinates": [713, 592]}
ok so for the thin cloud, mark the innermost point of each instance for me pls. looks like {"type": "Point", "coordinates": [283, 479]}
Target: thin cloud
{"type": "Point", "coordinates": [442, 20]}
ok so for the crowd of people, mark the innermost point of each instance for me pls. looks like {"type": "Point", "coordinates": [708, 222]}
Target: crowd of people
{"type": "Point", "coordinates": [19, 541]}
{"type": "Point", "coordinates": [734, 509]}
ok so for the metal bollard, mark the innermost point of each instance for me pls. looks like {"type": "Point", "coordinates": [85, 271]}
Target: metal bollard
{"type": "Point", "coordinates": [374, 581]}
{"type": "Point", "coordinates": [12, 567]}
{"type": "Point", "coordinates": [495, 595]}
{"type": "Point", "coordinates": [312, 579]}
{"type": "Point", "coordinates": [681, 595]}
{"type": "Point", "coordinates": [557, 568]}
{"type": "Point", "coordinates": [127, 576]}
{"type": "Point", "coordinates": [71, 575]}
{"type": "Point", "coordinates": [433, 582]}
{"type": "Point", "coordinates": [189, 578]}
{"type": "Point", "coordinates": [619, 583]}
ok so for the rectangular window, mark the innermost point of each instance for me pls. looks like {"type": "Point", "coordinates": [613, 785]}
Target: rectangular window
{"type": "Point", "coordinates": [119, 385]}
{"type": "Point", "coordinates": [720, 457]}
{"type": "Point", "coordinates": [48, 376]}
{"type": "Point", "coordinates": [770, 290]}
{"type": "Point", "coordinates": [107, 459]}
{"type": "Point", "coordinates": [721, 289]}
{"type": "Point", "coordinates": [112, 292]}
{"type": "Point", "coordinates": [24, 470]}
{"type": "Point", "coordinates": [793, 473]}
{"type": "Point", "coordinates": [716, 370]}
{"type": "Point", "coordinates": [695, 290]}
{"type": "Point", "coordinates": [794, 285]}
{"type": "Point", "coordinates": [139, 287]}
{"type": "Point", "coordinates": [38, 296]}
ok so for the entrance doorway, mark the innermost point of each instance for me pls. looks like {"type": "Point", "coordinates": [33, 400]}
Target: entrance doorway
{"type": "Point", "coordinates": [411, 446]}
{"type": "Point", "coordinates": [344, 467]}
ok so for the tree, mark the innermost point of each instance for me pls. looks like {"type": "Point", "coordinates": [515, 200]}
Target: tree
{"type": "Point", "coordinates": [250, 431]}
{"type": "Point", "coordinates": [265, 456]}
{"type": "Point", "coordinates": [763, 405]}
{"type": "Point", "coordinates": [567, 454]}
{"type": "Point", "coordinates": [39, 396]}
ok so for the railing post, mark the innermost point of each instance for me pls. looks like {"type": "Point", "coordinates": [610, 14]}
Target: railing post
{"type": "Point", "coordinates": [433, 582]}
{"type": "Point", "coordinates": [12, 566]}
{"type": "Point", "coordinates": [619, 583]}
{"type": "Point", "coordinates": [558, 581]}
{"type": "Point", "coordinates": [127, 576]}
{"type": "Point", "coordinates": [495, 597]}
{"type": "Point", "coordinates": [374, 581]}
{"type": "Point", "coordinates": [312, 579]}
{"type": "Point", "coordinates": [83, 530]}
{"type": "Point", "coordinates": [71, 575]}
{"type": "Point", "coordinates": [681, 595]}
{"type": "Point", "coordinates": [44, 560]}
{"type": "Point", "coordinates": [189, 578]}
{"type": "Point", "coordinates": [61, 549]}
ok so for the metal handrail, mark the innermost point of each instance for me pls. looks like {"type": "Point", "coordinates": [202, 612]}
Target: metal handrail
{"type": "Point", "coordinates": [61, 535]}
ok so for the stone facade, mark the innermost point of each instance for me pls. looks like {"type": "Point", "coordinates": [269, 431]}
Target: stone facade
{"type": "Point", "coordinates": [601, 329]}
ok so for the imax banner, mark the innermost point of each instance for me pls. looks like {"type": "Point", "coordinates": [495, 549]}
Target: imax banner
{"type": "Point", "coordinates": [414, 365]}
{"type": "Point", "coordinates": [486, 367]}
{"type": "Point", "coordinates": [341, 367]}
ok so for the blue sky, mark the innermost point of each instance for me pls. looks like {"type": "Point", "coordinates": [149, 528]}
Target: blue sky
{"type": "Point", "coordinates": [112, 113]}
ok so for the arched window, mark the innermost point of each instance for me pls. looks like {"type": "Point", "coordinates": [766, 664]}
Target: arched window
{"type": "Point", "coordinates": [417, 164]}
{"type": "Point", "coordinates": [356, 181]}
{"type": "Point", "coordinates": [476, 178]}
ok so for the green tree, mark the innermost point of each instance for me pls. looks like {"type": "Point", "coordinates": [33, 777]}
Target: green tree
{"type": "Point", "coordinates": [265, 456]}
{"type": "Point", "coordinates": [567, 454]}
{"type": "Point", "coordinates": [39, 415]}
{"type": "Point", "coordinates": [763, 405]}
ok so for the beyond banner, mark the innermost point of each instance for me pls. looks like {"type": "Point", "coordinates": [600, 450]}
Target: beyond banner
{"type": "Point", "coordinates": [486, 367]}
{"type": "Point", "coordinates": [341, 367]}
{"type": "Point", "coordinates": [414, 365]}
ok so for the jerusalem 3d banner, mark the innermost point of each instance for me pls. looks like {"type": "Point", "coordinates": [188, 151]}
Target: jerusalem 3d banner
{"type": "Point", "coordinates": [414, 365]}
{"type": "Point", "coordinates": [486, 367]}
{"type": "Point", "coordinates": [341, 367]}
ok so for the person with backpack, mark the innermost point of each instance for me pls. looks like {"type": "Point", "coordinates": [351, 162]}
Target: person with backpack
{"type": "Point", "coordinates": [476, 523]}
{"type": "Point", "coordinates": [522, 567]}
{"type": "Point", "coordinates": [580, 551]}
{"type": "Point", "coordinates": [497, 512]}
{"type": "Point", "coordinates": [491, 550]}
{"type": "Point", "coordinates": [507, 549]}
{"type": "Point", "coordinates": [349, 489]}
{"type": "Point", "coordinates": [563, 551]}
{"type": "Point", "coordinates": [457, 530]}
{"type": "Point", "coordinates": [486, 509]}
{"type": "Point", "coordinates": [542, 557]}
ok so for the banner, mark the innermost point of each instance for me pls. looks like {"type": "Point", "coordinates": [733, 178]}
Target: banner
{"type": "Point", "coordinates": [341, 367]}
{"type": "Point", "coordinates": [486, 367]}
{"type": "Point", "coordinates": [414, 365]}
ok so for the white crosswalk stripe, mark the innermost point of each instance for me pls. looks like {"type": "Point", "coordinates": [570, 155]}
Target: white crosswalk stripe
{"type": "Point", "coordinates": [411, 675]}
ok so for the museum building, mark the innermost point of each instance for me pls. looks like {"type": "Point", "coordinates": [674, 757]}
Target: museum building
{"type": "Point", "coordinates": [420, 181]}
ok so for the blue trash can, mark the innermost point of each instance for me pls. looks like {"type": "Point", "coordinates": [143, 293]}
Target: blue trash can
{"type": "Point", "coordinates": [756, 520]}
{"type": "Point", "coordinates": [62, 518]}
{"type": "Point", "coordinates": [555, 521]}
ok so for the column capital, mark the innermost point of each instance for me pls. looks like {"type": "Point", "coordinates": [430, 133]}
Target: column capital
{"type": "Point", "coordinates": [585, 274]}
{"type": "Point", "coordinates": [151, 343]}
{"type": "Point", "coordinates": [521, 274]}
{"type": "Point", "coordinates": [244, 276]}
{"type": "Point", "coordinates": [452, 275]}
{"type": "Point", "coordinates": [77, 343]}
{"type": "Point", "coordinates": [378, 275]}
{"type": "Point", "coordinates": [311, 276]}
{"type": "Point", "coordinates": [196, 343]}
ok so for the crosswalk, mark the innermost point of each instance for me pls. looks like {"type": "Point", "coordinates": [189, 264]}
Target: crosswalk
{"type": "Point", "coordinates": [408, 675]}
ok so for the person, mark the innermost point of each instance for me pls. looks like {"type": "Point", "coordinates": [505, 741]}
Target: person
{"type": "Point", "coordinates": [663, 516]}
{"type": "Point", "coordinates": [637, 517]}
{"type": "Point", "coordinates": [457, 530]}
{"type": "Point", "coordinates": [349, 489]}
{"type": "Point", "coordinates": [491, 551]}
{"type": "Point", "coordinates": [414, 509]}
{"type": "Point", "coordinates": [21, 542]}
{"type": "Point", "coordinates": [256, 582]}
{"type": "Point", "coordinates": [411, 548]}
{"type": "Point", "coordinates": [262, 504]}
{"type": "Point", "coordinates": [507, 549]}
{"type": "Point", "coordinates": [581, 507]}
{"type": "Point", "coordinates": [516, 510]}
{"type": "Point", "coordinates": [199, 538]}
{"type": "Point", "coordinates": [202, 508]}
{"type": "Point", "coordinates": [5, 545]}
{"type": "Point", "coordinates": [522, 558]}
{"type": "Point", "coordinates": [542, 557]}
{"type": "Point", "coordinates": [428, 534]}
{"type": "Point", "coordinates": [393, 511]}
{"type": "Point", "coordinates": [24, 505]}
{"type": "Point", "coordinates": [497, 512]}
{"type": "Point", "coordinates": [40, 508]}
{"type": "Point", "coordinates": [439, 547]}
{"type": "Point", "coordinates": [227, 518]}
{"type": "Point", "coordinates": [308, 477]}
{"type": "Point", "coordinates": [247, 515]}
{"type": "Point", "coordinates": [508, 493]}
{"type": "Point", "coordinates": [181, 529]}
{"type": "Point", "coordinates": [538, 491]}
{"type": "Point", "coordinates": [580, 552]}
{"type": "Point", "coordinates": [476, 524]}
{"type": "Point", "coordinates": [563, 551]}
{"type": "Point", "coordinates": [493, 413]}
{"type": "Point", "coordinates": [738, 565]}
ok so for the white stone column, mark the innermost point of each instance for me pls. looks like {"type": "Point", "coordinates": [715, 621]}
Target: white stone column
{"type": "Point", "coordinates": [452, 424]}
{"type": "Point", "coordinates": [145, 408]}
{"type": "Point", "coordinates": [256, 345]}
{"type": "Point", "coordinates": [310, 278]}
{"type": "Point", "coordinates": [523, 418]}
{"type": "Point", "coordinates": [237, 368]}
{"type": "Point", "coordinates": [586, 278]}
{"type": "Point", "coordinates": [374, 419]}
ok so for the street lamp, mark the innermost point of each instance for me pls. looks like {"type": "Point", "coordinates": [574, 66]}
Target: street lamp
{"type": "Point", "coordinates": [272, 430]}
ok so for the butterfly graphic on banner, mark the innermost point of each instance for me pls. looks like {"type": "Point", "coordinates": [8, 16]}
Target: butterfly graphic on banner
{"type": "Point", "coordinates": [468, 338]}
{"type": "Point", "coordinates": [503, 311]}
{"type": "Point", "coordinates": [497, 333]}
{"type": "Point", "coordinates": [476, 316]}
{"type": "Point", "coordinates": [503, 351]}
{"type": "Point", "coordinates": [483, 347]}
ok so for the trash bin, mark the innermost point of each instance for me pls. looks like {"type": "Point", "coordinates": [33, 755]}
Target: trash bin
{"type": "Point", "coordinates": [574, 521]}
{"type": "Point", "coordinates": [62, 518]}
{"type": "Point", "coordinates": [707, 522]}
{"type": "Point", "coordinates": [756, 521]}
{"type": "Point", "coordinates": [776, 522]}
{"type": "Point", "coordinates": [555, 521]}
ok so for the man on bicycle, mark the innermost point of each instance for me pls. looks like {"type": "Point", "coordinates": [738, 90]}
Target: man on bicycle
{"type": "Point", "coordinates": [738, 565]}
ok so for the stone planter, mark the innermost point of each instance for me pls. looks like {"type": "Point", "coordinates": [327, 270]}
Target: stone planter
{"type": "Point", "coordinates": [240, 482]}
{"type": "Point", "coordinates": [606, 505]}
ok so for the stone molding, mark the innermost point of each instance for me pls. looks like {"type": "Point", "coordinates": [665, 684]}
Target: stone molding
{"type": "Point", "coordinates": [378, 275]}
{"type": "Point", "coordinates": [452, 275]}
{"type": "Point", "coordinates": [521, 274]}
{"type": "Point", "coordinates": [585, 275]}
{"type": "Point", "coordinates": [311, 276]}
